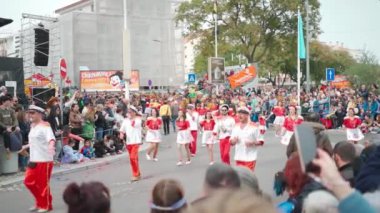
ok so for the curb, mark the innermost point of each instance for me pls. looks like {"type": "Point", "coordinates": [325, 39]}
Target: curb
{"type": "Point", "coordinates": [59, 172]}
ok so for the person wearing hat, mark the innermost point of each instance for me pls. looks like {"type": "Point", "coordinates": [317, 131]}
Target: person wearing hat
{"type": "Point", "coordinates": [131, 130]}
{"type": "Point", "coordinates": [245, 138]}
{"type": "Point", "coordinates": [223, 130]}
{"type": "Point", "coordinates": [193, 117]}
{"type": "Point", "coordinates": [42, 150]}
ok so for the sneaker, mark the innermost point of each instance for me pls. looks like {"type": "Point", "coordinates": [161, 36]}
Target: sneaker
{"type": "Point", "coordinates": [188, 162]}
{"type": "Point", "coordinates": [43, 210]}
{"type": "Point", "coordinates": [179, 163]}
{"type": "Point", "coordinates": [192, 155]}
{"type": "Point", "coordinates": [211, 163]}
{"type": "Point", "coordinates": [155, 159]}
{"type": "Point", "coordinates": [33, 209]}
{"type": "Point", "coordinates": [148, 157]}
{"type": "Point", "coordinates": [134, 179]}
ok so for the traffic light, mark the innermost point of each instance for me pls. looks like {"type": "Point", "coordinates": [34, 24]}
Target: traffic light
{"type": "Point", "coordinates": [41, 47]}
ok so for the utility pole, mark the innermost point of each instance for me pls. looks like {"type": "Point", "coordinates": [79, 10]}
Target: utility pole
{"type": "Point", "coordinates": [216, 37]}
{"type": "Point", "coordinates": [216, 28]}
{"type": "Point", "coordinates": [308, 82]}
{"type": "Point", "coordinates": [126, 49]}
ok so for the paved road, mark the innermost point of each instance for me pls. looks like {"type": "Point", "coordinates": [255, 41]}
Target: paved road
{"type": "Point", "coordinates": [134, 197]}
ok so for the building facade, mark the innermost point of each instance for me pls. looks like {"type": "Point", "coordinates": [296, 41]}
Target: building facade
{"type": "Point", "coordinates": [92, 37]}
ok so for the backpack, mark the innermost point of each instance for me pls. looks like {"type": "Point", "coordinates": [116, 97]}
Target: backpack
{"type": "Point", "coordinates": [15, 141]}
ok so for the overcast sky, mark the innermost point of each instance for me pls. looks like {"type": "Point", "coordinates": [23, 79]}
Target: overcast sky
{"type": "Point", "coordinates": [355, 23]}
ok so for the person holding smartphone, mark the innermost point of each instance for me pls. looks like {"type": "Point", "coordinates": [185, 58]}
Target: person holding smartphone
{"type": "Point", "coordinates": [42, 150]}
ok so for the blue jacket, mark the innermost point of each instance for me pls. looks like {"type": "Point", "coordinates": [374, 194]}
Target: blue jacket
{"type": "Point", "coordinates": [355, 203]}
{"type": "Point", "coordinates": [374, 107]}
{"type": "Point", "coordinates": [70, 155]}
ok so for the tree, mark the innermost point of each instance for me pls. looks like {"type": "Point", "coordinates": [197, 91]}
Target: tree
{"type": "Point", "coordinates": [321, 57]}
{"type": "Point", "coordinates": [247, 27]}
{"type": "Point", "coordinates": [366, 71]}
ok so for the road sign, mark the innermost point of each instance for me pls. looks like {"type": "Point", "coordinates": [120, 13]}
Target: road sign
{"type": "Point", "coordinates": [63, 68]}
{"type": "Point", "coordinates": [330, 74]}
{"type": "Point", "coordinates": [12, 84]}
{"type": "Point", "coordinates": [191, 78]}
{"type": "Point", "coordinates": [216, 70]}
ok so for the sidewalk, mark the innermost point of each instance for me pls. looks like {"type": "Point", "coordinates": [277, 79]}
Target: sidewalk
{"type": "Point", "coordinates": [17, 178]}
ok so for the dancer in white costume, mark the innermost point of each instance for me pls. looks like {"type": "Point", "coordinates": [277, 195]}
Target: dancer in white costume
{"type": "Point", "coordinates": [153, 135]}
{"type": "Point", "coordinates": [352, 124]}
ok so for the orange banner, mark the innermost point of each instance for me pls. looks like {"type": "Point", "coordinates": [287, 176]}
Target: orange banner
{"type": "Point", "coordinates": [242, 77]}
{"type": "Point", "coordinates": [341, 82]}
{"type": "Point", "coordinates": [101, 80]}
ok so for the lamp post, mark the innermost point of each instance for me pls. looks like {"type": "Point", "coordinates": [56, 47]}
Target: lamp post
{"type": "Point", "coordinates": [308, 81]}
{"type": "Point", "coordinates": [216, 28]}
{"type": "Point", "coordinates": [126, 49]}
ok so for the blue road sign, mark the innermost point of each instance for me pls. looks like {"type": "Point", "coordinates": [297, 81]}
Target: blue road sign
{"type": "Point", "coordinates": [191, 78]}
{"type": "Point", "coordinates": [330, 74]}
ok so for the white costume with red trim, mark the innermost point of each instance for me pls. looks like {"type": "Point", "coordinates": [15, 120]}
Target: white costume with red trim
{"type": "Point", "coordinates": [279, 112]}
{"type": "Point", "coordinates": [262, 128]}
{"type": "Point", "coordinates": [183, 134]}
{"type": "Point", "coordinates": [153, 134]}
{"type": "Point", "coordinates": [40, 137]}
{"type": "Point", "coordinates": [37, 178]}
{"type": "Point", "coordinates": [352, 125]}
{"type": "Point", "coordinates": [193, 119]}
{"type": "Point", "coordinates": [289, 126]}
{"type": "Point", "coordinates": [224, 126]}
{"type": "Point", "coordinates": [207, 128]}
{"type": "Point", "coordinates": [133, 130]}
{"type": "Point", "coordinates": [250, 133]}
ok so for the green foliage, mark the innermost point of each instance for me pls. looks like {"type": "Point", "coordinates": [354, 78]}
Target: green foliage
{"type": "Point", "coordinates": [323, 56]}
{"type": "Point", "coordinates": [366, 71]}
{"type": "Point", "coordinates": [249, 28]}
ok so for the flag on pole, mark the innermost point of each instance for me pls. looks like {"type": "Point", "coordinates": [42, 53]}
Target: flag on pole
{"type": "Point", "coordinates": [301, 41]}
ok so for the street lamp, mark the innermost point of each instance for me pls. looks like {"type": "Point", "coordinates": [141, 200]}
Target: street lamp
{"type": "Point", "coordinates": [216, 28]}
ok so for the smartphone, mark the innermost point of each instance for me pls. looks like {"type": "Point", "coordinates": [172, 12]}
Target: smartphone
{"type": "Point", "coordinates": [306, 146]}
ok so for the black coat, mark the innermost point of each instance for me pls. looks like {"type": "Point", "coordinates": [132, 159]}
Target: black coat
{"type": "Point", "coordinates": [368, 179]}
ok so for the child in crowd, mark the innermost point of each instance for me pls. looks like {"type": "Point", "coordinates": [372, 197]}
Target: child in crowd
{"type": "Point", "coordinates": [109, 145]}
{"type": "Point", "coordinates": [100, 150]}
{"type": "Point", "coordinates": [87, 150]}
{"type": "Point", "coordinates": [70, 155]}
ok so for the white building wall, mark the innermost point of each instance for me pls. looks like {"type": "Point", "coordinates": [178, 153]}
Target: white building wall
{"type": "Point", "coordinates": [190, 53]}
{"type": "Point", "coordinates": [95, 40]}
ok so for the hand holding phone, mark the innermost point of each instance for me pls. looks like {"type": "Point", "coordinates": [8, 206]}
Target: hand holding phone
{"type": "Point", "coordinates": [306, 145]}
